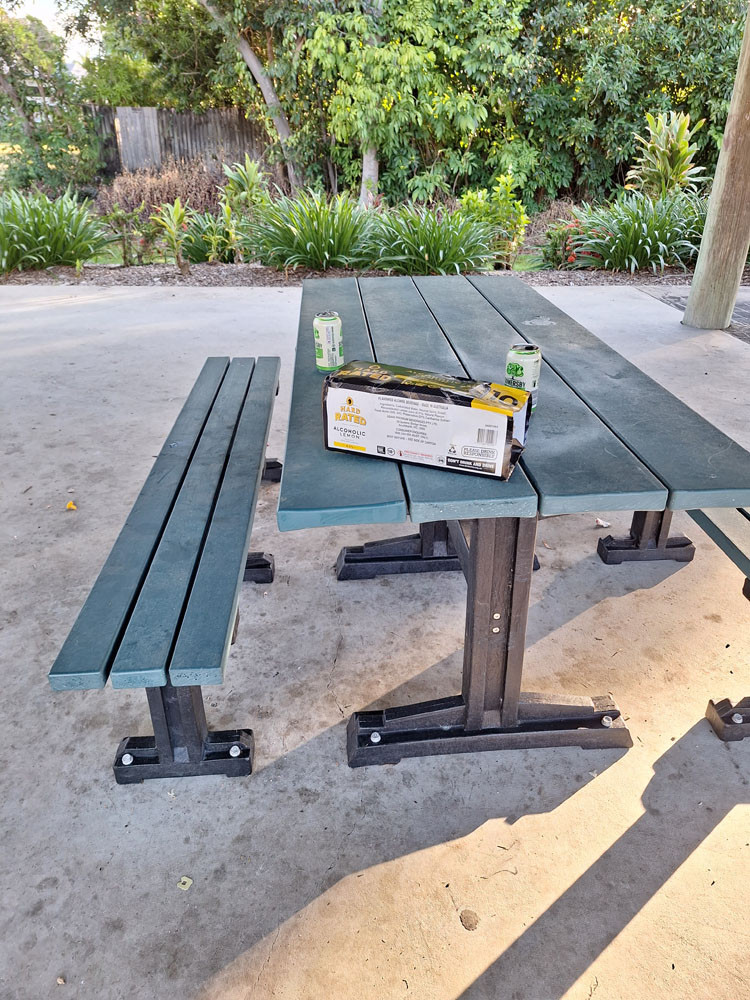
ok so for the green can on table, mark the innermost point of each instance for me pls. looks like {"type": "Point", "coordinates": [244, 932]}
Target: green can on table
{"type": "Point", "coordinates": [522, 367]}
{"type": "Point", "coordinates": [329, 345]}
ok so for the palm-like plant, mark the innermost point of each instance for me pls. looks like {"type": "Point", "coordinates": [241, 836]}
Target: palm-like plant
{"type": "Point", "coordinates": [666, 161]}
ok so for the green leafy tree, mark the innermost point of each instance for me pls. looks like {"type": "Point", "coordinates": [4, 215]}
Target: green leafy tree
{"type": "Point", "coordinates": [420, 99]}
{"type": "Point", "coordinates": [47, 138]}
{"type": "Point", "coordinates": [414, 83]}
{"type": "Point", "coordinates": [585, 73]}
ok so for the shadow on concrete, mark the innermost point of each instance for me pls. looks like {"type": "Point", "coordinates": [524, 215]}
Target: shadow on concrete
{"type": "Point", "coordinates": [573, 590]}
{"type": "Point", "coordinates": [693, 788]}
{"type": "Point", "coordinates": [317, 822]}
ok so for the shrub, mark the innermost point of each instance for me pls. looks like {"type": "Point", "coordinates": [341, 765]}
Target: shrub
{"type": "Point", "coordinates": [557, 247]}
{"type": "Point", "coordinates": [500, 209]}
{"type": "Point", "coordinates": [212, 238]}
{"type": "Point", "coordinates": [309, 231]}
{"type": "Point", "coordinates": [666, 161]}
{"type": "Point", "coordinates": [129, 233]}
{"type": "Point", "coordinates": [37, 231]}
{"type": "Point", "coordinates": [634, 232]}
{"type": "Point", "coordinates": [413, 240]}
{"type": "Point", "coordinates": [246, 185]}
{"type": "Point", "coordinates": [190, 180]}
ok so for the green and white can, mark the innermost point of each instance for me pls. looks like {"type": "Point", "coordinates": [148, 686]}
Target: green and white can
{"type": "Point", "coordinates": [329, 346]}
{"type": "Point", "coordinates": [522, 368]}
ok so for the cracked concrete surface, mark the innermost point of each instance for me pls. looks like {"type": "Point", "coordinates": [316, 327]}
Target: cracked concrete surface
{"type": "Point", "coordinates": [525, 875]}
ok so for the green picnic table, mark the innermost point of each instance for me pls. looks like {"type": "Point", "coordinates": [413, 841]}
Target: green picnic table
{"type": "Point", "coordinates": [604, 437]}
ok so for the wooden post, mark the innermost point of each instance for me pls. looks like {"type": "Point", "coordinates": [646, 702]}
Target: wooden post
{"type": "Point", "coordinates": [726, 238]}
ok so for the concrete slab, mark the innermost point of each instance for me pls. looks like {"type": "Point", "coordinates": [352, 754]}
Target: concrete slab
{"type": "Point", "coordinates": [532, 875]}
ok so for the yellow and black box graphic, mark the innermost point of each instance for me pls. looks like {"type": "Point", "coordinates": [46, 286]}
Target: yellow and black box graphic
{"type": "Point", "coordinates": [423, 417]}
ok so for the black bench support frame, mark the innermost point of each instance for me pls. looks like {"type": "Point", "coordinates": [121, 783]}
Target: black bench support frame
{"type": "Point", "coordinates": [491, 713]}
{"type": "Point", "coordinates": [182, 744]}
{"type": "Point", "coordinates": [649, 540]}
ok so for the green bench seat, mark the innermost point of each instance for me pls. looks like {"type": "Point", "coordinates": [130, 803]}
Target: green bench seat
{"type": "Point", "coordinates": [163, 611]}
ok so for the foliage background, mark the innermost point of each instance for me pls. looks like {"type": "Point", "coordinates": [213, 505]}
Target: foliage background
{"type": "Point", "coordinates": [48, 141]}
{"type": "Point", "coordinates": [448, 93]}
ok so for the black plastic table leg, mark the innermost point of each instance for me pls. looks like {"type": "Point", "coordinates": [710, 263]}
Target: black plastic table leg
{"type": "Point", "coordinates": [182, 744]}
{"type": "Point", "coordinates": [491, 713]}
{"type": "Point", "coordinates": [649, 540]}
{"type": "Point", "coordinates": [429, 551]}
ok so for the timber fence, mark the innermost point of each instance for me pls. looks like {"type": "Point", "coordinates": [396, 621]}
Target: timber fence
{"type": "Point", "coordinates": [134, 138]}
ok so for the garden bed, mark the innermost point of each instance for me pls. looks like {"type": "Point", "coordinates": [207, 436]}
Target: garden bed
{"type": "Point", "coordinates": [255, 275]}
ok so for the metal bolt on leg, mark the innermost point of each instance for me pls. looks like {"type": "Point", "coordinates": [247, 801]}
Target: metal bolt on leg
{"type": "Point", "coordinates": [374, 737]}
{"type": "Point", "coordinates": [738, 718]}
{"type": "Point", "coordinates": [607, 721]}
{"type": "Point", "coordinates": [234, 751]}
{"type": "Point", "coordinates": [127, 758]}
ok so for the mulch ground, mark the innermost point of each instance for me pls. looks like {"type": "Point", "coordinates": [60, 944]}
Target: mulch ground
{"type": "Point", "coordinates": [254, 275]}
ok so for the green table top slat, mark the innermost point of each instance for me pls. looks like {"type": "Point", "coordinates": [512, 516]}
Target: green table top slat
{"type": "Point", "coordinates": [321, 488]}
{"type": "Point", "coordinates": [141, 660]}
{"type": "Point", "coordinates": [203, 643]}
{"type": "Point", "coordinates": [700, 466]}
{"type": "Point", "coordinates": [86, 655]}
{"type": "Point", "coordinates": [404, 333]}
{"type": "Point", "coordinates": [575, 462]}
{"type": "Point", "coordinates": [730, 529]}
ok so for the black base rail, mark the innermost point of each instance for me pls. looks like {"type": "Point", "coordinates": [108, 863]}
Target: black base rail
{"type": "Point", "coordinates": [649, 540]}
{"type": "Point", "coordinates": [182, 744]}
{"type": "Point", "coordinates": [430, 550]}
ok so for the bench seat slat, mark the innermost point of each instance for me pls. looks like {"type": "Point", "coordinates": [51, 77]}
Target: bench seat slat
{"type": "Point", "coordinates": [393, 305]}
{"type": "Point", "coordinates": [730, 529]}
{"type": "Point", "coordinates": [205, 633]}
{"type": "Point", "coordinates": [658, 427]}
{"type": "Point", "coordinates": [86, 655]}
{"type": "Point", "coordinates": [564, 434]}
{"type": "Point", "coordinates": [143, 654]}
{"type": "Point", "coordinates": [318, 487]}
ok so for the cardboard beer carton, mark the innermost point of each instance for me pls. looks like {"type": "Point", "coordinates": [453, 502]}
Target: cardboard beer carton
{"type": "Point", "coordinates": [423, 417]}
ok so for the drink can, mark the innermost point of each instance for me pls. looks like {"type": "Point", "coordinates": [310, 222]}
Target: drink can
{"type": "Point", "coordinates": [522, 367]}
{"type": "Point", "coordinates": [329, 346]}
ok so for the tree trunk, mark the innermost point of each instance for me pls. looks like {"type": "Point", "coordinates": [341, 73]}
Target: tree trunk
{"type": "Point", "coordinates": [10, 92]}
{"type": "Point", "coordinates": [265, 85]}
{"type": "Point", "coordinates": [726, 236]}
{"type": "Point", "coordinates": [370, 164]}
{"type": "Point", "coordinates": [370, 168]}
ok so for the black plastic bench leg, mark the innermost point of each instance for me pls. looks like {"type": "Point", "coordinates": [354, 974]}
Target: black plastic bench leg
{"type": "Point", "coordinates": [649, 539]}
{"type": "Point", "coordinates": [259, 568]}
{"type": "Point", "coordinates": [730, 722]}
{"type": "Point", "coordinates": [182, 744]}
{"type": "Point", "coordinates": [272, 471]}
